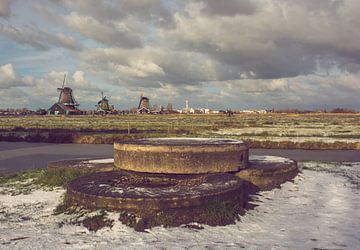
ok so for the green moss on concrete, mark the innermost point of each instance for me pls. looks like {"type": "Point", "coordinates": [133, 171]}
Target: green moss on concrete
{"type": "Point", "coordinates": [61, 177]}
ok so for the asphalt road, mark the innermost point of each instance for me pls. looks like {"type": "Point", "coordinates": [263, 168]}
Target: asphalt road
{"type": "Point", "coordinates": [19, 156]}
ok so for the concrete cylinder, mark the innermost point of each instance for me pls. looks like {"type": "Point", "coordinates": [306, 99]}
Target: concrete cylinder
{"type": "Point", "coordinates": [181, 155]}
{"type": "Point", "coordinates": [268, 172]}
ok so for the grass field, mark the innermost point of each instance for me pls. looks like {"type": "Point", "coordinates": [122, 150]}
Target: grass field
{"type": "Point", "coordinates": [341, 131]}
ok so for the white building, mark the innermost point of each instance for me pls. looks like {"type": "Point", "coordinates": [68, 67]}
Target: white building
{"type": "Point", "coordinates": [187, 109]}
{"type": "Point", "coordinates": [254, 111]}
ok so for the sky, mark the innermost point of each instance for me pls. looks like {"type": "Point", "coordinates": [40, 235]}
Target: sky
{"type": "Point", "coordinates": [239, 54]}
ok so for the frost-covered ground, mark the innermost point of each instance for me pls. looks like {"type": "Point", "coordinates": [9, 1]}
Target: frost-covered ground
{"type": "Point", "coordinates": [321, 209]}
{"type": "Point", "coordinates": [328, 133]}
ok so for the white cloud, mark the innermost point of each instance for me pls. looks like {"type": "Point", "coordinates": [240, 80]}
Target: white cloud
{"type": "Point", "coordinates": [7, 73]}
{"type": "Point", "coordinates": [9, 79]}
{"type": "Point", "coordinates": [254, 85]}
{"type": "Point", "coordinates": [79, 78]}
{"type": "Point", "coordinates": [139, 68]}
{"type": "Point", "coordinates": [65, 41]}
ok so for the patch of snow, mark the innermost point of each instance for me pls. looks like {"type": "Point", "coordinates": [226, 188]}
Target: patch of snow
{"type": "Point", "coordinates": [282, 219]}
{"type": "Point", "coordinates": [328, 134]}
{"type": "Point", "coordinates": [38, 196]}
{"type": "Point", "coordinates": [108, 160]}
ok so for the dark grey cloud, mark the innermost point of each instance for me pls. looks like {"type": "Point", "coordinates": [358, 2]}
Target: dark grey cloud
{"type": "Point", "coordinates": [229, 7]}
{"type": "Point", "coordinates": [29, 37]}
{"type": "Point", "coordinates": [330, 6]}
{"type": "Point", "coordinates": [152, 12]}
{"type": "Point", "coordinates": [100, 10]}
{"type": "Point", "coordinates": [5, 9]}
{"type": "Point", "coordinates": [36, 38]}
{"type": "Point", "coordinates": [109, 33]}
{"type": "Point", "coordinates": [280, 39]}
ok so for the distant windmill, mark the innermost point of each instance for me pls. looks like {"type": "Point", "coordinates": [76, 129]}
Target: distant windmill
{"type": "Point", "coordinates": [66, 103]}
{"type": "Point", "coordinates": [144, 105]}
{"type": "Point", "coordinates": [66, 96]}
{"type": "Point", "coordinates": [103, 104]}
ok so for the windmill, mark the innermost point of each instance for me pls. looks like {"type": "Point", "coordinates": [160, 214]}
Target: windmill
{"type": "Point", "coordinates": [144, 105]}
{"type": "Point", "coordinates": [103, 104]}
{"type": "Point", "coordinates": [66, 103]}
{"type": "Point", "coordinates": [66, 96]}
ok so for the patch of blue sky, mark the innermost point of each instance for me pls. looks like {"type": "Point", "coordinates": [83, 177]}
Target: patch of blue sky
{"type": "Point", "coordinates": [151, 36]}
{"type": "Point", "coordinates": [212, 89]}
{"type": "Point", "coordinates": [89, 43]}
{"type": "Point", "coordinates": [172, 5]}
{"type": "Point", "coordinates": [9, 50]}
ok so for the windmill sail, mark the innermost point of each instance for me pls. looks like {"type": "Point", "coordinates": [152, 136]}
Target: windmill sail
{"type": "Point", "coordinates": [61, 89]}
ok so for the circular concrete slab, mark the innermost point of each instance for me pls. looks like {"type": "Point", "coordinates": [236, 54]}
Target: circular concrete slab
{"type": "Point", "coordinates": [268, 172]}
{"type": "Point", "coordinates": [181, 155]}
{"type": "Point", "coordinates": [142, 194]}
{"type": "Point", "coordinates": [84, 165]}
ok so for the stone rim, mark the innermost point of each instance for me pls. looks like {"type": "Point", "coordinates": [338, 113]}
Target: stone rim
{"type": "Point", "coordinates": [82, 192]}
{"type": "Point", "coordinates": [181, 145]}
{"type": "Point", "coordinates": [182, 141]}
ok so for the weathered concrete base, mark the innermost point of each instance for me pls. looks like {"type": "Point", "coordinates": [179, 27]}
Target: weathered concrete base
{"type": "Point", "coordinates": [146, 194]}
{"type": "Point", "coordinates": [181, 155]}
{"type": "Point", "coordinates": [85, 165]}
{"type": "Point", "coordinates": [268, 172]}
{"type": "Point", "coordinates": [145, 200]}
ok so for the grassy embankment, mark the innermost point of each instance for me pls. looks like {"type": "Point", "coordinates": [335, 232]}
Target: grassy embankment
{"type": "Point", "coordinates": [285, 131]}
{"type": "Point", "coordinates": [27, 181]}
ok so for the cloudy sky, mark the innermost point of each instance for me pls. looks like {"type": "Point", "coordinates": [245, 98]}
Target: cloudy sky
{"type": "Point", "coordinates": [243, 54]}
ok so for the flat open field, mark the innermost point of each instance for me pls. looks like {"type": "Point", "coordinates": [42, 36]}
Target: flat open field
{"type": "Point", "coordinates": [308, 131]}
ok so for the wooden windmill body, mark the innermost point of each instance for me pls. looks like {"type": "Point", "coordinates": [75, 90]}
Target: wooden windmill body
{"type": "Point", "coordinates": [103, 105]}
{"type": "Point", "coordinates": [144, 105]}
{"type": "Point", "coordinates": [66, 105]}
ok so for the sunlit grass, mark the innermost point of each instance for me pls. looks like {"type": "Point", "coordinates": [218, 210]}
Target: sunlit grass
{"type": "Point", "coordinates": [327, 128]}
